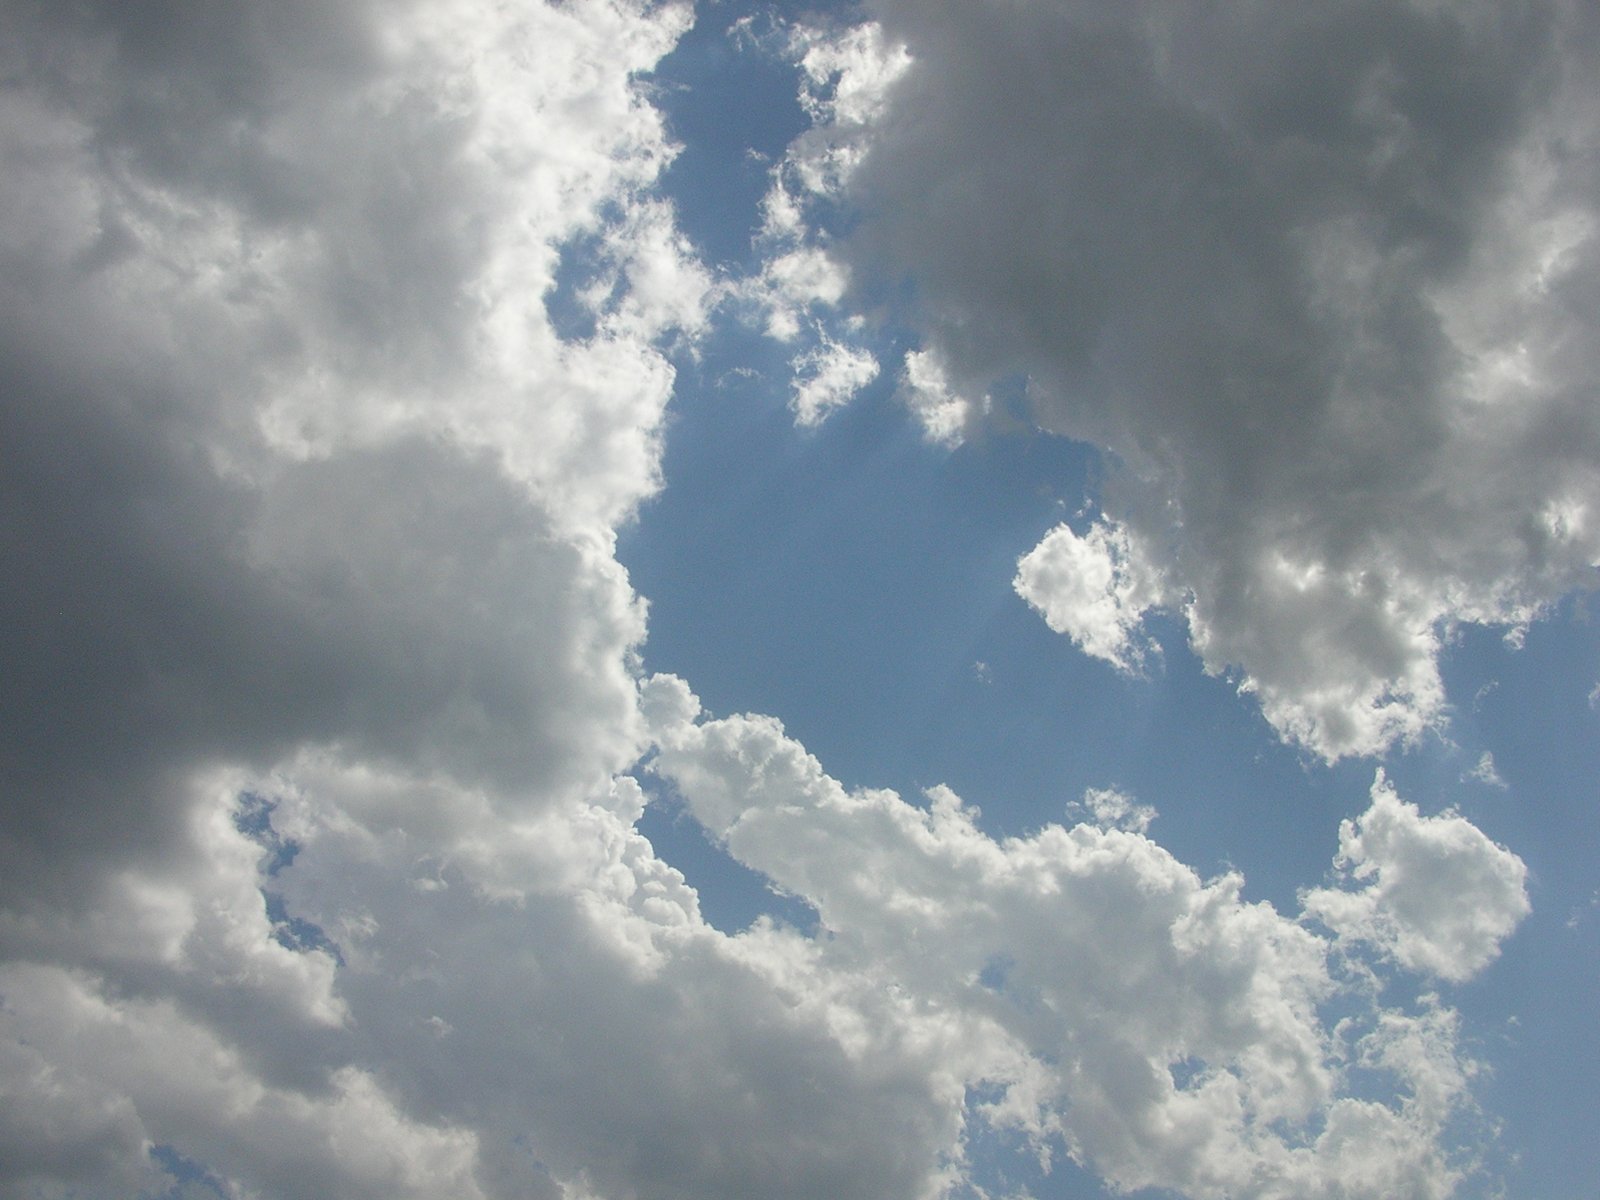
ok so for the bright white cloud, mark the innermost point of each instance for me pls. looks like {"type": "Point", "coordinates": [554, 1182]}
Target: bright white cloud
{"type": "Point", "coordinates": [1162, 1027]}
{"type": "Point", "coordinates": [848, 75]}
{"type": "Point", "coordinates": [1326, 305]}
{"type": "Point", "coordinates": [1116, 810]}
{"type": "Point", "coordinates": [791, 283]}
{"type": "Point", "coordinates": [1095, 588]}
{"type": "Point", "coordinates": [1433, 892]}
{"type": "Point", "coordinates": [546, 982]}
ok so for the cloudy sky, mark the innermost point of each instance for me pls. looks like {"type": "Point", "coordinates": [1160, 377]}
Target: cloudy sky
{"type": "Point", "coordinates": [626, 600]}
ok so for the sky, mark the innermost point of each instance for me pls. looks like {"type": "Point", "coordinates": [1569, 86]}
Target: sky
{"type": "Point", "coordinates": [621, 600]}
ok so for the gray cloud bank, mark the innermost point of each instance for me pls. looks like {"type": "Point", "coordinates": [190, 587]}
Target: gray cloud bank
{"type": "Point", "coordinates": [1321, 280]}
{"type": "Point", "coordinates": [318, 866]}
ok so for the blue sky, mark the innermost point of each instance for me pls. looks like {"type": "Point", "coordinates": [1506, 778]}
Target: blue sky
{"type": "Point", "coordinates": [620, 600]}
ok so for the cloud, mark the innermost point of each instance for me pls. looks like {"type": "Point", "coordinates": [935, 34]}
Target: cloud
{"type": "Point", "coordinates": [319, 867]}
{"type": "Point", "coordinates": [831, 375]}
{"type": "Point", "coordinates": [293, 453]}
{"type": "Point", "coordinates": [1094, 588]}
{"type": "Point", "coordinates": [309, 512]}
{"type": "Point", "coordinates": [1413, 876]}
{"type": "Point", "coordinates": [945, 414]}
{"type": "Point", "coordinates": [1485, 772]}
{"type": "Point", "coordinates": [103, 1077]}
{"type": "Point", "coordinates": [1115, 810]}
{"type": "Point", "coordinates": [547, 983]}
{"type": "Point", "coordinates": [1163, 1029]}
{"type": "Point", "coordinates": [1325, 303]}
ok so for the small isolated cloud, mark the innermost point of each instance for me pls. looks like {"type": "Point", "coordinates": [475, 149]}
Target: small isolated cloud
{"type": "Point", "coordinates": [1485, 772]}
{"type": "Point", "coordinates": [1093, 587]}
{"type": "Point", "coordinates": [793, 283]}
{"type": "Point", "coordinates": [1112, 809]}
{"type": "Point", "coordinates": [926, 390]}
{"type": "Point", "coordinates": [827, 378]}
{"type": "Point", "coordinates": [1433, 893]}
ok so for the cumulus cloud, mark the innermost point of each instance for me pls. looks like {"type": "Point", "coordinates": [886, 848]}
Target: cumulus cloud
{"type": "Point", "coordinates": [1117, 810]}
{"type": "Point", "coordinates": [298, 471]}
{"type": "Point", "coordinates": [293, 451]}
{"type": "Point", "coordinates": [1318, 281]}
{"type": "Point", "coordinates": [1163, 1029]}
{"type": "Point", "coordinates": [1413, 875]}
{"type": "Point", "coordinates": [801, 282]}
{"type": "Point", "coordinates": [1094, 588]}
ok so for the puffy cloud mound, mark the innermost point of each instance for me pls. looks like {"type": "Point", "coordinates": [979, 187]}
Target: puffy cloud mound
{"type": "Point", "coordinates": [1090, 588]}
{"type": "Point", "coordinates": [1168, 1032]}
{"type": "Point", "coordinates": [292, 450]}
{"type": "Point", "coordinates": [1320, 281]}
{"type": "Point", "coordinates": [1414, 872]}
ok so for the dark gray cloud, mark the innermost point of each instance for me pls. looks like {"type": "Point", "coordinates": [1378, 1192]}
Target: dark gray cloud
{"type": "Point", "coordinates": [1313, 277]}
{"type": "Point", "coordinates": [221, 219]}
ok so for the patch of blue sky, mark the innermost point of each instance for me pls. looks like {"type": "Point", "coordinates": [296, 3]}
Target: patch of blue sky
{"type": "Point", "coordinates": [732, 105]}
{"type": "Point", "coordinates": [252, 816]}
{"type": "Point", "coordinates": [856, 582]}
{"type": "Point", "coordinates": [1535, 1010]}
{"type": "Point", "coordinates": [572, 317]}
{"type": "Point", "coordinates": [732, 896]}
{"type": "Point", "coordinates": [190, 1179]}
{"type": "Point", "coordinates": [1004, 1165]}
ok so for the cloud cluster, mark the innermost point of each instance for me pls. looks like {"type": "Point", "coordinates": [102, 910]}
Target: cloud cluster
{"type": "Point", "coordinates": [1319, 281]}
{"type": "Point", "coordinates": [292, 449]}
{"type": "Point", "coordinates": [303, 488]}
{"type": "Point", "coordinates": [1168, 1032]}
{"type": "Point", "coordinates": [319, 867]}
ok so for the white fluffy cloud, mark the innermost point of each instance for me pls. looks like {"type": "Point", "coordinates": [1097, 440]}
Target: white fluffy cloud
{"type": "Point", "coordinates": [945, 413]}
{"type": "Point", "coordinates": [1094, 588]}
{"type": "Point", "coordinates": [1414, 878]}
{"type": "Point", "coordinates": [1319, 281]}
{"type": "Point", "coordinates": [1167, 1031]}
